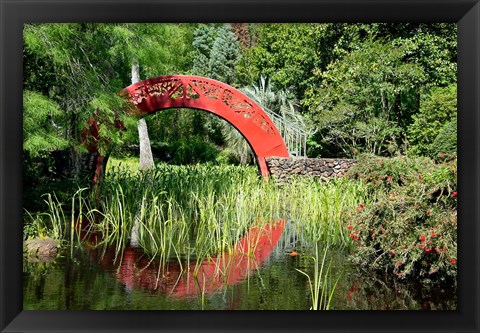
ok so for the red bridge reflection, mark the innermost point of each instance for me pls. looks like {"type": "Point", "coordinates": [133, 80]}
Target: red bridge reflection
{"type": "Point", "coordinates": [189, 280]}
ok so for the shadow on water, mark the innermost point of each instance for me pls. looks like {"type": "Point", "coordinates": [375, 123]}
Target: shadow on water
{"type": "Point", "coordinates": [260, 277]}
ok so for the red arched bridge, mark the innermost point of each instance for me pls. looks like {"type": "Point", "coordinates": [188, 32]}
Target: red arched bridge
{"type": "Point", "coordinates": [195, 92]}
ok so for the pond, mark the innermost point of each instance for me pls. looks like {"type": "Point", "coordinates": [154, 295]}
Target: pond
{"type": "Point", "coordinates": [269, 278]}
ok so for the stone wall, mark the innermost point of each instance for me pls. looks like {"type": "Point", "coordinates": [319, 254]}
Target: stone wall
{"type": "Point", "coordinates": [284, 167]}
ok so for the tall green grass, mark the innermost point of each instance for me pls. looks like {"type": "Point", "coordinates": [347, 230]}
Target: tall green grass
{"type": "Point", "coordinates": [196, 211]}
{"type": "Point", "coordinates": [50, 223]}
{"type": "Point", "coordinates": [321, 283]}
{"type": "Point", "coordinates": [193, 212]}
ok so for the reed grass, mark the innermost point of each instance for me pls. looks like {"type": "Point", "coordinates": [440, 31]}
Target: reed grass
{"type": "Point", "coordinates": [196, 211]}
{"type": "Point", "coordinates": [322, 287]}
{"type": "Point", "coordinates": [50, 223]}
{"type": "Point", "coordinates": [193, 212]}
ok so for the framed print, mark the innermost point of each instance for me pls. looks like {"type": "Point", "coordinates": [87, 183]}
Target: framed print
{"type": "Point", "coordinates": [162, 161]}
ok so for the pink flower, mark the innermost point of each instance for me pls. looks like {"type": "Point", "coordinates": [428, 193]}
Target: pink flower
{"type": "Point", "coordinates": [454, 194]}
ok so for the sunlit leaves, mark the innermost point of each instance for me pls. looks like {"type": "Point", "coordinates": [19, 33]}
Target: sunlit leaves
{"type": "Point", "coordinates": [436, 109]}
{"type": "Point", "coordinates": [365, 98]}
{"type": "Point", "coordinates": [40, 130]}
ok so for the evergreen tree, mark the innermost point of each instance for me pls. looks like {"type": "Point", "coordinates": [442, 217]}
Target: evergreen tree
{"type": "Point", "coordinates": [216, 52]}
{"type": "Point", "coordinates": [224, 55]}
{"type": "Point", "coordinates": [203, 40]}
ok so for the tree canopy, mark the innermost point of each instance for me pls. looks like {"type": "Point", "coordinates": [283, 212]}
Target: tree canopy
{"type": "Point", "coordinates": [384, 88]}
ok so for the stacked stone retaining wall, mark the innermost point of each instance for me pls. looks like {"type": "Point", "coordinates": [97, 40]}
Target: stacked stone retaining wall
{"type": "Point", "coordinates": [285, 167]}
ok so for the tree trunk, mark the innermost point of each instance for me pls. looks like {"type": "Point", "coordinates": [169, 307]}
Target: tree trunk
{"type": "Point", "coordinates": [146, 157]}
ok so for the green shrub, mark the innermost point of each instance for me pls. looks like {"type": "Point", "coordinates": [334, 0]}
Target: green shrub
{"type": "Point", "coordinates": [437, 109]}
{"type": "Point", "coordinates": [193, 150]}
{"type": "Point", "coordinates": [227, 156]}
{"type": "Point", "coordinates": [446, 140]}
{"type": "Point", "coordinates": [410, 228]}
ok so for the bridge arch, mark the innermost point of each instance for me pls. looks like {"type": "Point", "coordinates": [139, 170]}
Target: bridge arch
{"type": "Point", "coordinates": [223, 100]}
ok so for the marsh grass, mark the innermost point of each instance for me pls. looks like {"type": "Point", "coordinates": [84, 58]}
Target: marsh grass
{"type": "Point", "coordinates": [50, 223]}
{"type": "Point", "coordinates": [322, 284]}
{"type": "Point", "coordinates": [195, 212]}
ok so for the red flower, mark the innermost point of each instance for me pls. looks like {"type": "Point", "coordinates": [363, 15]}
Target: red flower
{"type": "Point", "coordinates": [427, 249]}
{"type": "Point", "coordinates": [360, 208]}
{"type": "Point", "coordinates": [422, 238]}
{"type": "Point", "coordinates": [454, 194]}
{"type": "Point", "coordinates": [349, 227]}
{"type": "Point", "coordinates": [353, 236]}
{"type": "Point", "coordinates": [453, 261]}
{"type": "Point", "coordinates": [433, 234]}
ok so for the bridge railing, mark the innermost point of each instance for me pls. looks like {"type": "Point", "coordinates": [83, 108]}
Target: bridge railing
{"type": "Point", "coordinates": [295, 137]}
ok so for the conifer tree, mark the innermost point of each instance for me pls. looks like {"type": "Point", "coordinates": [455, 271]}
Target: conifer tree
{"type": "Point", "coordinates": [203, 40]}
{"type": "Point", "coordinates": [224, 55]}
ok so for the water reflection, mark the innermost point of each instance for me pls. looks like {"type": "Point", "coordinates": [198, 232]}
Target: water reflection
{"type": "Point", "coordinates": [188, 280]}
{"type": "Point", "coordinates": [263, 280]}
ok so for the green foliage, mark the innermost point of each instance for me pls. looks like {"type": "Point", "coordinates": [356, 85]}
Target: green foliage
{"type": "Point", "coordinates": [50, 223]}
{"type": "Point", "coordinates": [82, 67]}
{"type": "Point", "coordinates": [437, 109]}
{"type": "Point", "coordinates": [193, 150]}
{"type": "Point", "coordinates": [227, 156]}
{"type": "Point", "coordinates": [397, 63]}
{"type": "Point", "coordinates": [410, 227]}
{"type": "Point", "coordinates": [446, 140]}
{"type": "Point", "coordinates": [286, 53]}
{"type": "Point", "coordinates": [223, 56]}
{"type": "Point", "coordinates": [151, 45]}
{"type": "Point", "coordinates": [203, 40]}
{"type": "Point", "coordinates": [40, 131]}
{"type": "Point", "coordinates": [215, 52]}
{"type": "Point", "coordinates": [366, 99]}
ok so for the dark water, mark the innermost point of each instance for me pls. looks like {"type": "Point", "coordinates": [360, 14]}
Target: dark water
{"type": "Point", "coordinates": [266, 280]}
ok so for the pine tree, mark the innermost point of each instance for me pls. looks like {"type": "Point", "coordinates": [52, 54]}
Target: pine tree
{"type": "Point", "coordinates": [203, 40]}
{"type": "Point", "coordinates": [224, 55]}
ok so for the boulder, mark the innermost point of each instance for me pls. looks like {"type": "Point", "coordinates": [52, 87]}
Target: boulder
{"type": "Point", "coordinates": [41, 249]}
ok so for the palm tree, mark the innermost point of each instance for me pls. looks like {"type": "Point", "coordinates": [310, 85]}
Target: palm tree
{"type": "Point", "coordinates": [283, 111]}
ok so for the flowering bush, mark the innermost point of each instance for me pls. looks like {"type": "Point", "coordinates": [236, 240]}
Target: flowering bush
{"type": "Point", "coordinates": [410, 226]}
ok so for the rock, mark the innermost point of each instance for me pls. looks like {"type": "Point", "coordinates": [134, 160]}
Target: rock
{"type": "Point", "coordinates": [41, 249]}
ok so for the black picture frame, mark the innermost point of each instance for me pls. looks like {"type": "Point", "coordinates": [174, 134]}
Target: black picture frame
{"type": "Point", "coordinates": [13, 14]}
